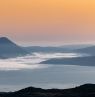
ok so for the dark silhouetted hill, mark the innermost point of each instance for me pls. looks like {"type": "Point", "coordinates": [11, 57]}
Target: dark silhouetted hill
{"type": "Point", "coordinates": [9, 49]}
{"type": "Point", "coordinates": [87, 90]}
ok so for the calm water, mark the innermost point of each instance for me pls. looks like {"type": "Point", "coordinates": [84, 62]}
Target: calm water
{"type": "Point", "coordinates": [26, 71]}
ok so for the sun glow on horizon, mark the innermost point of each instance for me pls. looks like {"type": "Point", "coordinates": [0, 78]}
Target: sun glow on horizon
{"type": "Point", "coordinates": [48, 20]}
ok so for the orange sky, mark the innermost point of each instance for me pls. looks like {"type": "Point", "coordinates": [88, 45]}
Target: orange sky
{"type": "Point", "coordinates": [46, 21]}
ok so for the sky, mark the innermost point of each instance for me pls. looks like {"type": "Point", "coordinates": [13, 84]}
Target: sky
{"type": "Point", "coordinates": [37, 22]}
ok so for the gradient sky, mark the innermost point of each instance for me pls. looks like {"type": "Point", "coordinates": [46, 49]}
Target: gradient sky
{"type": "Point", "coordinates": [48, 21]}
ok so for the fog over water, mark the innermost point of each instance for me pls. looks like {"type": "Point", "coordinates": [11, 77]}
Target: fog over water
{"type": "Point", "coordinates": [32, 61]}
{"type": "Point", "coordinates": [21, 72]}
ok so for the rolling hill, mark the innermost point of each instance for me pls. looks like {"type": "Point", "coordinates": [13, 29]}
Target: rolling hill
{"type": "Point", "coordinates": [86, 90]}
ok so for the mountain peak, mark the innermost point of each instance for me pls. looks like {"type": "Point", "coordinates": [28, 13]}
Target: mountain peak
{"type": "Point", "coordinates": [10, 49]}
{"type": "Point", "coordinates": [4, 40]}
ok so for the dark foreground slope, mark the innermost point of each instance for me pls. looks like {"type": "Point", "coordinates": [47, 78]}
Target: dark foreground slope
{"type": "Point", "coordinates": [9, 49]}
{"type": "Point", "coordinates": [82, 61]}
{"type": "Point", "coordinates": [87, 90]}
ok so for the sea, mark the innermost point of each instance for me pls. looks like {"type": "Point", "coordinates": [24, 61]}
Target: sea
{"type": "Point", "coordinates": [27, 71]}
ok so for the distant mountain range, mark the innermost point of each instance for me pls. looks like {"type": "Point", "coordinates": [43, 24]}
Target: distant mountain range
{"type": "Point", "coordinates": [86, 90]}
{"type": "Point", "coordinates": [88, 50]}
{"type": "Point", "coordinates": [9, 49]}
{"type": "Point", "coordinates": [64, 49]}
{"type": "Point", "coordinates": [45, 49]}
{"type": "Point", "coordinates": [82, 61]}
